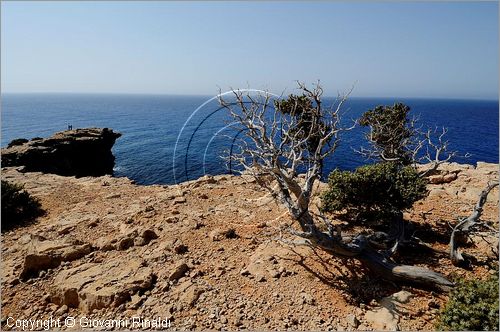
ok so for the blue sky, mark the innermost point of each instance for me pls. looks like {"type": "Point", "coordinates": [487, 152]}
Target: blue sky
{"type": "Point", "coordinates": [387, 49]}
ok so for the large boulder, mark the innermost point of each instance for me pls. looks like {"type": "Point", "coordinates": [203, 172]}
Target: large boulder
{"type": "Point", "coordinates": [79, 152]}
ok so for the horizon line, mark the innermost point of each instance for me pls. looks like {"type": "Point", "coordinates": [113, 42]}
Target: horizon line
{"type": "Point", "coordinates": [210, 95]}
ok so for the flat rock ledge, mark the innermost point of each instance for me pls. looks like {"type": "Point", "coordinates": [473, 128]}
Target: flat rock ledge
{"type": "Point", "coordinates": [94, 286]}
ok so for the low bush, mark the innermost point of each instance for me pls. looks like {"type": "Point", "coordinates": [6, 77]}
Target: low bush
{"type": "Point", "coordinates": [17, 141]}
{"type": "Point", "coordinates": [472, 306]}
{"type": "Point", "coordinates": [18, 206]}
{"type": "Point", "coordinates": [383, 188]}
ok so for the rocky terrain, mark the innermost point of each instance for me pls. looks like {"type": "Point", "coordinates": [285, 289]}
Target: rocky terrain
{"type": "Point", "coordinates": [209, 254]}
{"type": "Point", "coordinates": [79, 152]}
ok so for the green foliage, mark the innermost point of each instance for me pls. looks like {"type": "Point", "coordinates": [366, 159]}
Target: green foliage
{"type": "Point", "coordinates": [18, 206]}
{"type": "Point", "coordinates": [384, 187]}
{"type": "Point", "coordinates": [390, 131]}
{"type": "Point", "coordinates": [308, 116]}
{"type": "Point", "coordinates": [17, 141]}
{"type": "Point", "coordinates": [472, 306]}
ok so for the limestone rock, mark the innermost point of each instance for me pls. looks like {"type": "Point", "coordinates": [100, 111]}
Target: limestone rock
{"type": "Point", "coordinates": [386, 316]}
{"type": "Point", "coordinates": [79, 152]}
{"type": "Point", "coordinates": [487, 168]}
{"type": "Point", "coordinates": [179, 200]}
{"type": "Point", "coordinates": [352, 320]}
{"type": "Point", "coordinates": [178, 271]}
{"type": "Point", "coordinates": [136, 237]}
{"type": "Point", "coordinates": [44, 254]}
{"type": "Point", "coordinates": [219, 234]}
{"type": "Point", "coordinates": [95, 286]}
{"type": "Point", "coordinates": [268, 261]}
{"type": "Point", "coordinates": [442, 178]}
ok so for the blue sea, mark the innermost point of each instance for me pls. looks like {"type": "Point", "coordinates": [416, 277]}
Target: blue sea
{"type": "Point", "coordinates": [151, 126]}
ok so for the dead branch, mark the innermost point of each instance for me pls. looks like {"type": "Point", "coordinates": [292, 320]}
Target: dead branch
{"type": "Point", "coordinates": [437, 150]}
{"type": "Point", "coordinates": [467, 225]}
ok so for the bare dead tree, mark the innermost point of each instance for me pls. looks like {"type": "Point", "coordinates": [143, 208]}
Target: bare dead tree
{"type": "Point", "coordinates": [468, 225]}
{"type": "Point", "coordinates": [437, 150]}
{"type": "Point", "coordinates": [276, 148]}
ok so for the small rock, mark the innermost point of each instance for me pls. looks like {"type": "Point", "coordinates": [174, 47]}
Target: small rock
{"type": "Point", "coordinates": [274, 274]}
{"type": "Point", "coordinates": [433, 304]}
{"type": "Point", "coordinates": [180, 249]}
{"type": "Point", "coordinates": [178, 271]}
{"type": "Point", "coordinates": [260, 278]}
{"type": "Point", "coordinates": [125, 243]}
{"type": "Point", "coordinates": [62, 310]}
{"type": "Point", "coordinates": [198, 225]}
{"type": "Point", "coordinates": [449, 177]}
{"type": "Point", "coordinates": [216, 235]}
{"type": "Point", "coordinates": [148, 235]}
{"type": "Point", "coordinates": [245, 272]}
{"type": "Point", "coordinates": [93, 223]}
{"type": "Point", "coordinates": [307, 298]}
{"type": "Point", "coordinates": [105, 245]}
{"type": "Point", "coordinates": [65, 230]}
{"type": "Point", "coordinates": [352, 320]}
{"type": "Point", "coordinates": [192, 295]}
{"type": "Point", "coordinates": [231, 234]}
{"type": "Point", "coordinates": [171, 220]}
{"type": "Point", "coordinates": [179, 200]}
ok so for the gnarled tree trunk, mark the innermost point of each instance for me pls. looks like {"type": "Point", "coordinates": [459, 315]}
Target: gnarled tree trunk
{"type": "Point", "coordinates": [466, 225]}
{"type": "Point", "coordinates": [359, 248]}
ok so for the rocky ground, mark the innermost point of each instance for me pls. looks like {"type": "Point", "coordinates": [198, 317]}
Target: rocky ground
{"type": "Point", "coordinates": [208, 254]}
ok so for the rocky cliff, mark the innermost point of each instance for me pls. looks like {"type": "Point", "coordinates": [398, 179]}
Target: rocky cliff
{"type": "Point", "coordinates": [208, 254]}
{"type": "Point", "coordinates": [79, 152]}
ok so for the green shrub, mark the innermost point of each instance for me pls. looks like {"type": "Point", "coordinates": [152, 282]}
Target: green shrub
{"type": "Point", "coordinates": [17, 141]}
{"type": "Point", "coordinates": [390, 132]}
{"type": "Point", "coordinates": [384, 187]}
{"type": "Point", "coordinates": [18, 206]}
{"type": "Point", "coordinates": [472, 306]}
{"type": "Point", "coordinates": [309, 120]}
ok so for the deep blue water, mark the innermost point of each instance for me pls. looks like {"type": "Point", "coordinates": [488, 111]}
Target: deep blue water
{"type": "Point", "coordinates": [151, 124]}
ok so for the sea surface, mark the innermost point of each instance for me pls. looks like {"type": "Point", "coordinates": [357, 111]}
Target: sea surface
{"type": "Point", "coordinates": [156, 126]}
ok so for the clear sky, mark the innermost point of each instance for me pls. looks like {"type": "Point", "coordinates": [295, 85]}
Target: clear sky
{"type": "Point", "coordinates": [388, 49]}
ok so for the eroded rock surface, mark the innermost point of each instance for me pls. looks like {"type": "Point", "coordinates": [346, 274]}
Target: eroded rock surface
{"type": "Point", "coordinates": [43, 254]}
{"type": "Point", "coordinates": [79, 152]}
{"type": "Point", "coordinates": [109, 284]}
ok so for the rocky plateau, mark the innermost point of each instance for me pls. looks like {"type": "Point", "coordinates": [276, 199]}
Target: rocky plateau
{"type": "Point", "coordinates": [209, 254]}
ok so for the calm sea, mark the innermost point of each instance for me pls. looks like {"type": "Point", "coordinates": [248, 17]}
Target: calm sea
{"type": "Point", "coordinates": [151, 125]}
